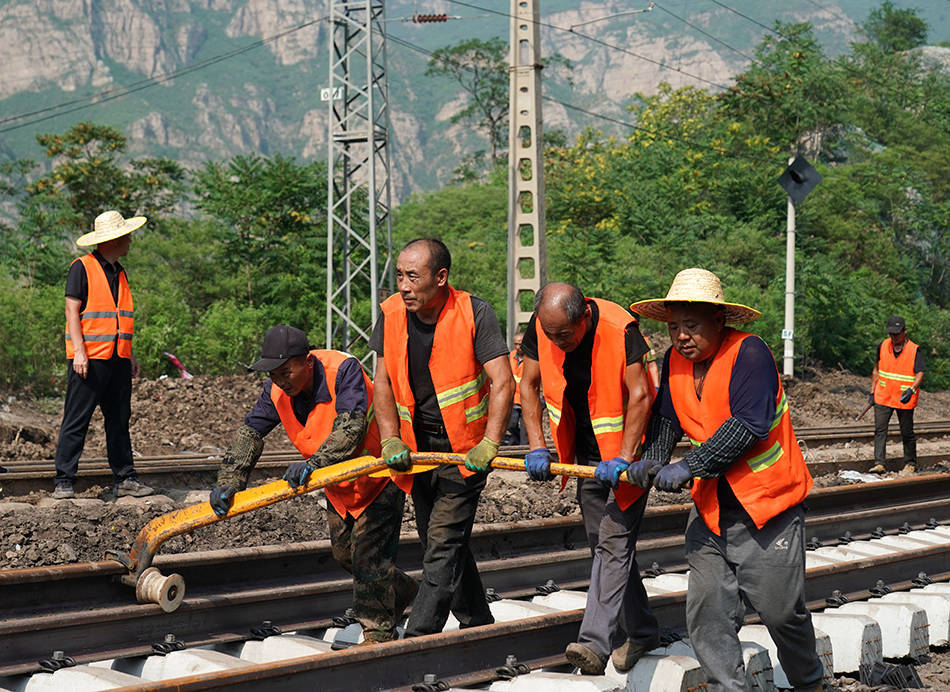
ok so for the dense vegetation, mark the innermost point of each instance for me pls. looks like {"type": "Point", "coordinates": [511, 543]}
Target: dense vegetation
{"type": "Point", "coordinates": [239, 245]}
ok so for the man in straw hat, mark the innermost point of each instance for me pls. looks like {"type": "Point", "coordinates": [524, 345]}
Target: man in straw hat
{"type": "Point", "coordinates": [745, 535]}
{"type": "Point", "coordinates": [99, 327]}
{"type": "Point", "coordinates": [324, 401]}
{"type": "Point", "coordinates": [588, 354]}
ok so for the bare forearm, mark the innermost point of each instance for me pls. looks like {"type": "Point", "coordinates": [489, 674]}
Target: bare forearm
{"type": "Point", "coordinates": [531, 410]}
{"type": "Point", "coordinates": [384, 405]}
{"type": "Point", "coordinates": [499, 409]}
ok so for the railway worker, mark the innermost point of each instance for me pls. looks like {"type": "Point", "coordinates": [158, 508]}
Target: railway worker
{"type": "Point", "coordinates": [895, 383]}
{"type": "Point", "coordinates": [443, 384]}
{"type": "Point", "coordinates": [99, 329]}
{"type": "Point", "coordinates": [322, 398]}
{"type": "Point", "coordinates": [588, 356]}
{"type": "Point", "coordinates": [745, 534]}
{"type": "Point", "coordinates": [516, 434]}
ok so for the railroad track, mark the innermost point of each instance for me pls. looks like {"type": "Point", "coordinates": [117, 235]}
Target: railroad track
{"type": "Point", "coordinates": [83, 611]}
{"type": "Point", "coordinates": [197, 471]}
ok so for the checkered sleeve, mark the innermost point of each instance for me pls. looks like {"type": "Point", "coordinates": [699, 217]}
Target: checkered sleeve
{"type": "Point", "coordinates": [662, 436]}
{"type": "Point", "coordinates": [728, 443]}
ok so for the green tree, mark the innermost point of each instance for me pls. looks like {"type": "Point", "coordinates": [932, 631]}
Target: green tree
{"type": "Point", "coordinates": [88, 173]}
{"type": "Point", "coordinates": [893, 29]}
{"type": "Point", "coordinates": [272, 224]}
{"type": "Point", "coordinates": [481, 69]}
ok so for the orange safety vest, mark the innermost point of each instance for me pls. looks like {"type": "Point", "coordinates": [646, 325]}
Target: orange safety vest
{"type": "Point", "coordinates": [348, 496]}
{"type": "Point", "coordinates": [104, 323]}
{"type": "Point", "coordinates": [461, 386]}
{"type": "Point", "coordinates": [770, 477]}
{"type": "Point", "coordinates": [517, 368]}
{"type": "Point", "coordinates": [894, 375]}
{"type": "Point", "coordinates": [607, 396]}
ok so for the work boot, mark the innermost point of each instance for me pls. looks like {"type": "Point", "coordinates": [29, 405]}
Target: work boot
{"type": "Point", "coordinates": [877, 468]}
{"type": "Point", "coordinates": [584, 658]}
{"type": "Point", "coordinates": [63, 490]}
{"type": "Point", "coordinates": [131, 486]}
{"type": "Point", "coordinates": [627, 654]}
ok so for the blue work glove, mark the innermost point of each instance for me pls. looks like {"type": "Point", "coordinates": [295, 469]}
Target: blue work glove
{"type": "Point", "coordinates": [298, 473]}
{"type": "Point", "coordinates": [608, 472]}
{"type": "Point", "coordinates": [673, 477]}
{"type": "Point", "coordinates": [905, 397]}
{"type": "Point", "coordinates": [642, 473]}
{"type": "Point", "coordinates": [221, 499]}
{"type": "Point", "coordinates": [537, 463]}
{"type": "Point", "coordinates": [395, 453]}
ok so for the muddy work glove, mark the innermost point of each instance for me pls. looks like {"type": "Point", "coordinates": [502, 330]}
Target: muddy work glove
{"type": "Point", "coordinates": [479, 457]}
{"type": "Point", "coordinates": [906, 396]}
{"type": "Point", "coordinates": [673, 477]}
{"type": "Point", "coordinates": [537, 463]}
{"type": "Point", "coordinates": [608, 472]}
{"type": "Point", "coordinates": [642, 473]}
{"type": "Point", "coordinates": [222, 498]}
{"type": "Point", "coordinates": [298, 473]}
{"type": "Point", "coordinates": [396, 454]}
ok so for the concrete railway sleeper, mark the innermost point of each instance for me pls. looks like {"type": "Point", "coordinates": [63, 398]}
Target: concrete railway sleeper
{"type": "Point", "coordinates": [227, 614]}
{"type": "Point", "coordinates": [867, 608]}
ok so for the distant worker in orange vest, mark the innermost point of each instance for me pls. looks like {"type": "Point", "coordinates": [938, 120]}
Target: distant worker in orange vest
{"type": "Point", "coordinates": [99, 328]}
{"type": "Point", "coordinates": [443, 384]}
{"type": "Point", "coordinates": [745, 535]}
{"type": "Point", "coordinates": [587, 354]}
{"type": "Point", "coordinates": [323, 399]}
{"type": "Point", "coordinates": [516, 434]}
{"type": "Point", "coordinates": [895, 385]}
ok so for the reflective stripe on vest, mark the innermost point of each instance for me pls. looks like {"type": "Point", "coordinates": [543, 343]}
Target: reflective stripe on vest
{"type": "Point", "coordinates": [895, 375]}
{"type": "Point", "coordinates": [770, 477]}
{"type": "Point", "coordinates": [461, 386]}
{"type": "Point", "coordinates": [607, 396]}
{"type": "Point", "coordinates": [348, 497]}
{"type": "Point", "coordinates": [105, 323]}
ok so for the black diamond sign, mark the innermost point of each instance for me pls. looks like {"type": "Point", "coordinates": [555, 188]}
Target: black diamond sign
{"type": "Point", "coordinates": [799, 179]}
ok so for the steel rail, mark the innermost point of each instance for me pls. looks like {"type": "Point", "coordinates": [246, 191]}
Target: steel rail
{"type": "Point", "coordinates": [25, 476]}
{"type": "Point", "coordinates": [453, 656]}
{"type": "Point", "coordinates": [233, 591]}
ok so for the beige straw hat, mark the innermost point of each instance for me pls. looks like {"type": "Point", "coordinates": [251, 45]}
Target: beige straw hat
{"type": "Point", "coordinates": [695, 285]}
{"type": "Point", "coordinates": [110, 225]}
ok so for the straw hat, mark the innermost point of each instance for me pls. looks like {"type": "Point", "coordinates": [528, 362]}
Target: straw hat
{"type": "Point", "coordinates": [110, 225]}
{"type": "Point", "coordinates": [695, 285]}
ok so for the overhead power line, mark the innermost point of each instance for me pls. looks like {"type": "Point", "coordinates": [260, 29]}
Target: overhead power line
{"type": "Point", "coordinates": [601, 42]}
{"type": "Point", "coordinates": [113, 93]}
{"type": "Point", "coordinates": [706, 33]}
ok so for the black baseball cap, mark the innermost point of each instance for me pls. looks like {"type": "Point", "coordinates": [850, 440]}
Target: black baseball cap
{"type": "Point", "coordinates": [280, 344]}
{"type": "Point", "coordinates": [895, 324]}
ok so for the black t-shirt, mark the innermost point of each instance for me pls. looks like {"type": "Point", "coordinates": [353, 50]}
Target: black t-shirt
{"type": "Point", "coordinates": [489, 343]}
{"type": "Point", "coordinates": [77, 283]}
{"type": "Point", "coordinates": [920, 365]}
{"type": "Point", "coordinates": [577, 367]}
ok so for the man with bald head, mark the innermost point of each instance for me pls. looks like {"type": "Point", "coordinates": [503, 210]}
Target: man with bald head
{"type": "Point", "coordinates": [443, 384]}
{"type": "Point", "coordinates": [587, 354]}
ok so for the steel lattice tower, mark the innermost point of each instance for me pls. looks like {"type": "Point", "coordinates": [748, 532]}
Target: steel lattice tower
{"type": "Point", "coordinates": [359, 228]}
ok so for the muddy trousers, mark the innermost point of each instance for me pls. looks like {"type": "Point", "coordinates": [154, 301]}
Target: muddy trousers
{"type": "Point", "coordinates": [445, 504]}
{"type": "Point", "coordinates": [763, 567]}
{"type": "Point", "coordinates": [617, 604]}
{"type": "Point", "coordinates": [905, 418]}
{"type": "Point", "coordinates": [108, 385]}
{"type": "Point", "coordinates": [366, 548]}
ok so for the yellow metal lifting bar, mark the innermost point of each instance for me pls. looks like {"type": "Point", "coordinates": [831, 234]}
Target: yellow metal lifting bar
{"type": "Point", "coordinates": [168, 592]}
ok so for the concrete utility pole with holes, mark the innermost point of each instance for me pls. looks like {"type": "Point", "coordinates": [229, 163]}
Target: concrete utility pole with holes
{"type": "Point", "coordinates": [527, 254]}
{"type": "Point", "coordinates": [359, 227]}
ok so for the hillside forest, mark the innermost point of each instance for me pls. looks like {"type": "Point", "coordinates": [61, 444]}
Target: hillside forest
{"type": "Point", "coordinates": [237, 245]}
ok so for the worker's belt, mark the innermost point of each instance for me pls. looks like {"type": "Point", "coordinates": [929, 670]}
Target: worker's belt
{"type": "Point", "coordinates": [429, 429]}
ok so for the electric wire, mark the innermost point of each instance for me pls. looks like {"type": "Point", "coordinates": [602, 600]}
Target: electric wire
{"type": "Point", "coordinates": [705, 33]}
{"type": "Point", "coordinates": [66, 107]}
{"type": "Point", "coordinates": [601, 42]}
